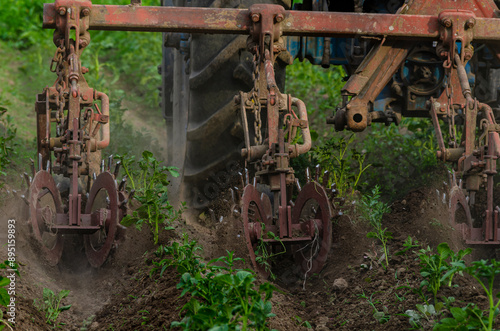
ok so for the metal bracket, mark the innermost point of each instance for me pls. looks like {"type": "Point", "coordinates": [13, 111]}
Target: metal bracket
{"type": "Point", "coordinates": [457, 26]}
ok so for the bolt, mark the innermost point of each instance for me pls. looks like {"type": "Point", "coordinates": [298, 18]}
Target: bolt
{"type": "Point", "coordinates": [62, 11]}
{"type": "Point", "coordinates": [255, 18]}
{"type": "Point", "coordinates": [467, 56]}
{"type": "Point", "coordinates": [85, 12]}
{"type": "Point", "coordinates": [279, 18]}
{"type": "Point", "coordinates": [83, 43]}
{"type": "Point", "coordinates": [470, 23]}
{"type": "Point", "coordinates": [446, 22]}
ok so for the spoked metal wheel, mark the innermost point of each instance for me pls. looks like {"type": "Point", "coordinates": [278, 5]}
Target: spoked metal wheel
{"type": "Point", "coordinates": [312, 208]}
{"type": "Point", "coordinates": [103, 198]}
{"type": "Point", "coordinates": [45, 204]}
{"type": "Point", "coordinates": [257, 217]}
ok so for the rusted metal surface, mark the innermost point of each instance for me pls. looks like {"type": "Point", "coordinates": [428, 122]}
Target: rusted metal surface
{"type": "Point", "coordinates": [102, 197]}
{"type": "Point", "coordinates": [70, 111]}
{"type": "Point", "coordinates": [313, 212]}
{"type": "Point", "coordinates": [286, 116]}
{"type": "Point", "coordinates": [45, 205]}
{"type": "Point", "coordinates": [424, 26]}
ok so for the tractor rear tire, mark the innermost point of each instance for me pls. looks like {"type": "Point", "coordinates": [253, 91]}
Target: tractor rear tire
{"type": "Point", "coordinates": [205, 134]}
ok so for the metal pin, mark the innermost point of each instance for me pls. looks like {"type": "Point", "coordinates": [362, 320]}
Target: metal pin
{"type": "Point", "coordinates": [102, 166]}
{"type": "Point", "coordinates": [122, 184]}
{"type": "Point", "coordinates": [27, 179]}
{"type": "Point", "coordinates": [87, 195]}
{"type": "Point", "coordinates": [236, 194]}
{"type": "Point", "coordinates": [39, 161]}
{"type": "Point", "coordinates": [117, 168]}
{"type": "Point", "coordinates": [254, 181]}
{"type": "Point", "coordinates": [247, 177]}
{"type": "Point", "coordinates": [291, 203]}
{"type": "Point", "coordinates": [58, 131]}
{"type": "Point", "coordinates": [94, 177]}
{"type": "Point", "coordinates": [24, 199]}
{"type": "Point", "coordinates": [242, 180]}
{"type": "Point", "coordinates": [308, 175]}
{"type": "Point", "coordinates": [298, 185]}
{"type": "Point", "coordinates": [326, 178]}
{"type": "Point", "coordinates": [48, 165]}
{"type": "Point", "coordinates": [110, 160]}
{"type": "Point", "coordinates": [318, 170]}
{"type": "Point", "coordinates": [32, 165]}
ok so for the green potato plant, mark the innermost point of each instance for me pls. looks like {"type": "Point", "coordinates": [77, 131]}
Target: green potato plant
{"type": "Point", "coordinates": [150, 183]}
{"type": "Point", "coordinates": [51, 305]}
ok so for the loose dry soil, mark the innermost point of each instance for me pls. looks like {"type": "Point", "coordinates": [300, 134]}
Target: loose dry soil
{"type": "Point", "coordinates": [121, 295]}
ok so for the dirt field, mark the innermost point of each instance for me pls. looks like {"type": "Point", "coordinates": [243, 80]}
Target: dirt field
{"type": "Point", "coordinates": [122, 296]}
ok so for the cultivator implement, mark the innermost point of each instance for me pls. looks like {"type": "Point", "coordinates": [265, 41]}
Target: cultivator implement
{"type": "Point", "coordinates": [429, 79]}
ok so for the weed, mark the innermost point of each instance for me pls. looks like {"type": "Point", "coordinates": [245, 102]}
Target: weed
{"type": "Point", "coordinates": [263, 256]}
{"type": "Point", "coordinates": [424, 312]}
{"type": "Point", "coordinates": [150, 183]}
{"type": "Point", "coordinates": [51, 305]}
{"type": "Point", "coordinates": [380, 315]}
{"type": "Point", "coordinates": [372, 210]}
{"type": "Point", "coordinates": [298, 321]}
{"type": "Point", "coordinates": [345, 164]}
{"type": "Point", "coordinates": [7, 135]}
{"type": "Point", "coordinates": [408, 244]}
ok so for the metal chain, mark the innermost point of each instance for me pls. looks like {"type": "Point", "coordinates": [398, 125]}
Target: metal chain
{"type": "Point", "coordinates": [254, 98]}
{"type": "Point", "coordinates": [450, 112]}
{"type": "Point", "coordinates": [58, 60]}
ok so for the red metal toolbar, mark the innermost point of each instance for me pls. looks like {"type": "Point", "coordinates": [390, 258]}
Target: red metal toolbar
{"type": "Point", "coordinates": [238, 21]}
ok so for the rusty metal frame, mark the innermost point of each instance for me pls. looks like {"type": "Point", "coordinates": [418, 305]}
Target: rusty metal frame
{"type": "Point", "coordinates": [295, 23]}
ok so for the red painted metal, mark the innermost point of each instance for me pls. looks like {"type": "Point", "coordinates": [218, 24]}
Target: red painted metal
{"type": "Point", "coordinates": [424, 26]}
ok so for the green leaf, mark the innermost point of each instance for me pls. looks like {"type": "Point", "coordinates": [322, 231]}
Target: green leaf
{"type": "Point", "coordinates": [63, 308]}
{"type": "Point", "coordinates": [4, 281]}
{"type": "Point", "coordinates": [4, 297]}
{"type": "Point", "coordinates": [63, 294]}
{"type": "Point", "coordinates": [458, 313]}
{"type": "Point", "coordinates": [444, 250]}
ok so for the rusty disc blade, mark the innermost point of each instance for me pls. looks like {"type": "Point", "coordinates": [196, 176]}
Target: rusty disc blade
{"type": "Point", "coordinates": [103, 195]}
{"type": "Point", "coordinates": [312, 204]}
{"type": "Point", "coordinates": [255, 212]}
{"type": "Point", "coordinates": [45, 204]}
